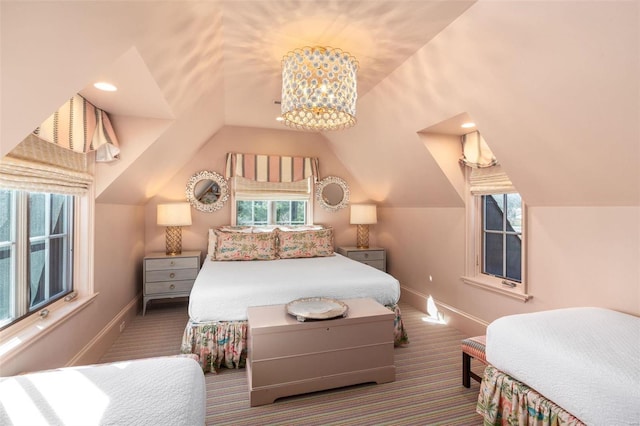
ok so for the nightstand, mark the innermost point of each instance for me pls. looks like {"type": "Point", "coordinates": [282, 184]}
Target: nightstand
{"type": "Point", "coordinates": [372, 256]}
{"type": "Point", "coordinates": [166, 277]}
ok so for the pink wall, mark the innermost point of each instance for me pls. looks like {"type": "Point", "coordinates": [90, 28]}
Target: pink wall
{"type": "Point", "coordinates": [577, 256]}
{"type": "Point", "coordinates": [258, 141]}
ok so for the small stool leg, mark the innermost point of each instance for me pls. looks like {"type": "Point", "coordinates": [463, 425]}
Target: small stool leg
{"type": "Point", "coordinates": [466, 370]}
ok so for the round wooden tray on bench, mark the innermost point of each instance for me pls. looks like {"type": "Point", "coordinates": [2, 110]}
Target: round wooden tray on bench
{"type": "Point", "coordinates": [316, 308]}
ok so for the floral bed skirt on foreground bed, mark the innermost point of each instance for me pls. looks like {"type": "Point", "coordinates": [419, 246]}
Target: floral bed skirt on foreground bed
{"type": "Point", "coordinates": [505, 401]}
{"type": "Point", "coordinates": [224, 343]}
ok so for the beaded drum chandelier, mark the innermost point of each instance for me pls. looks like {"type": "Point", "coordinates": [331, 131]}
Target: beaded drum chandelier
{"type": "Point", "coordinates": [319, 89]}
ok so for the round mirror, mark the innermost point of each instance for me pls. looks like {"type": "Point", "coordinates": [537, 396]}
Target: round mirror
{"type": "Point", "coordinates": [207, 191]}
{"type": "Point", "coordinates": [332, 193]}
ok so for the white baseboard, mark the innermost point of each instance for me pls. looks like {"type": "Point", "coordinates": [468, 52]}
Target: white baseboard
{"type": "Point", "coordinates": [98, 346]}
{"type": "Point", "coordinates": [457, 318]}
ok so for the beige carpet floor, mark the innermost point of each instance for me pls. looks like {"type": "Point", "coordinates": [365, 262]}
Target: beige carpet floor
{"type": "Point", "coordinates": [427, 391]}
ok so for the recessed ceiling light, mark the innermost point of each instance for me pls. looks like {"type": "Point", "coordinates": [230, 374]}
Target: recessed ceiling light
{"type": "Point", "coordinates": [103, 85]}
{"type": "Point", "coordinates": [279, 118]}
{"type": "Point", "coordinates": [468, 125]}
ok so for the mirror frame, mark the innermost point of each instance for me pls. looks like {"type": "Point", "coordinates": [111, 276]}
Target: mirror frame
{"type": "Point", "coordinates": [204, 175]}
{"type": "Point", "coordinates": [320, 185]}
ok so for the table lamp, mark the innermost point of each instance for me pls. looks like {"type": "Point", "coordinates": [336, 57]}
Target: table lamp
{"type": "Point", "coordinates": [363, 215]}
{"type": "Point", "coordinates": [174, 216]}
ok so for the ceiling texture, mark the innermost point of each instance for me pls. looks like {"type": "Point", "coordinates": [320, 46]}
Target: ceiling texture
{"type": "Point", "coordinates": [185, 69]}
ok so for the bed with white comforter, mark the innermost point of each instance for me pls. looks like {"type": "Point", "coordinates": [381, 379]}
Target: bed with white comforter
{"type": "Point", "coordinates": [223, 290]}
{"type": "Point", "coordinates": [585, 360]}
{"type": "Point", "coordinates": [153, 391]}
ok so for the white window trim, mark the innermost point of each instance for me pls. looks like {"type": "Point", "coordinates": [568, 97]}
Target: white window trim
{"type": "Point", "coordinates": [19, 336]}
{"type": "Point", "coordinates": [473, 252]}
{"type": "Point", "coordinates": [309, 200]}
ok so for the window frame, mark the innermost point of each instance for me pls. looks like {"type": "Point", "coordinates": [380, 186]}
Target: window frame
{"type": "Point", "coordinates": [272, 198]}
{"type": "Point", "coordinates": [21, 242]}
{"type": "Point", "coordinates": [473, 250]}
{"type": "Point", "coordinates": [21, 334]}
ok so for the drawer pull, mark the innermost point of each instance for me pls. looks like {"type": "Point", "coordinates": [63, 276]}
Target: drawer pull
{"type": "Point", "coordinates": [172, 275]}
{"type": "Point", "coordinates": [172, 286]}
{"type": "Point", "coordinates": [172, 263]}
{"type": "Point", "coordinates": [366, 255]}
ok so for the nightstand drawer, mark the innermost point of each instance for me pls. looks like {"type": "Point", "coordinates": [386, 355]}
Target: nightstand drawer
{"type": "Point", "coordinates": [167, 287]}
{"type": "Point", "coordinates": [378, 264]}
{"type": "Point", "coordinates": [171, 263]}
{"type": "Point", "coordinates": [365, 256]}
{"type": "Point", "coordinates": [172, 275]}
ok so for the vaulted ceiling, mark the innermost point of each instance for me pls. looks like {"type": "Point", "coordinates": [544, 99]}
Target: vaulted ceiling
{"type": "Point", "coordinates": [550, 84]}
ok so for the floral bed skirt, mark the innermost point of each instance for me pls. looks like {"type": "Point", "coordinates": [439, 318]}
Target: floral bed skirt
{"type": "Point", "coordinates": [224, 343]}
{"type": "Point", "coordinates": [506, 401]}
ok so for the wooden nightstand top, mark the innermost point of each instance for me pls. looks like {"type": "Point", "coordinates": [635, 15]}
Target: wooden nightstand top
{"type": "Point", "coordinates": [162, 255]}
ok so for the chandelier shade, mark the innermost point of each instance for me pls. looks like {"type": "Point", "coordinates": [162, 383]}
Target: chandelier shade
{"type": "Point", "coordinates": [319, 89]}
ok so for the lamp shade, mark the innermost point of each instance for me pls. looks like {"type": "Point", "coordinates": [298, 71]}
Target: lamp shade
{"type": "Point", "coordinates": [175, 214]}
{"type": "Point", "coordinates": [363, 214]}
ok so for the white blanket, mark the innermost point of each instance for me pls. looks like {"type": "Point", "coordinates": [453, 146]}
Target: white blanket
{"type": "Point", "coordinates": [224, 289]}
{"type": "Point", "coordinates": [155, 391]}
{"type": "Point", "coordinates": [586, 360]}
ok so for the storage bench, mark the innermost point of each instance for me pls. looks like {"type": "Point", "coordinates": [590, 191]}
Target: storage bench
{"type": "Point", "coordinates": [472, 347]}
{"type": "Point", "coordinates": [287, 357]}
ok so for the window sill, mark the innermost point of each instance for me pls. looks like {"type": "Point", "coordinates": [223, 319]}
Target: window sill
{"type": "Point", "coordinates": [20, 336]}
{"type": "Point", "coordinates": [491, 286]}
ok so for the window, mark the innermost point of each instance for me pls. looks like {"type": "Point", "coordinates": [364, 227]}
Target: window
{"type": "Point", "coordinates": [271, 203]}
{"type": "Point", "coordinates": [496, 244]}
{"type": "Point", "coordinates": [502, 236]}
{"type": "Point", "coordinates": [271, 212]}
{"type": "Point", "coordinates": [36, 246]}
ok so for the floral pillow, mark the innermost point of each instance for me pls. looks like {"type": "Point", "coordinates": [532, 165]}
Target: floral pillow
{"type": "Point", "coordinates": [245, 246]}
{"type": "Point", "coordinates": [305, 243]}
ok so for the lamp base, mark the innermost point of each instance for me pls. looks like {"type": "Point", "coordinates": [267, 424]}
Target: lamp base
{"type": "Point", "coordinates": [363, 236]}
{"type": "Point", "coordinates": [173, 240]}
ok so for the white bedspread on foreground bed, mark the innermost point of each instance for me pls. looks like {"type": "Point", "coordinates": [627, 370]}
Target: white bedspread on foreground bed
{"type": "Point", "coordinates": [154, 391]}
{"type": "Point", "coordinates": [224, 289]}
{"type": "Point", "coordinates": [586, 360]}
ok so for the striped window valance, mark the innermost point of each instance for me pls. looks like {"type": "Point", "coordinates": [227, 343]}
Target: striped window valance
{"type": "Point", "coordinates": [81, 127]}
{"type": "Point", "coordinates": [39, 166]}
{"type": "Point", "coordinates": [271, 168]}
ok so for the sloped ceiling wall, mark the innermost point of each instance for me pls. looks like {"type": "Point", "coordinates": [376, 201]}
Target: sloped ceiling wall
{"type": "Point", "coordinates": [553, 87]}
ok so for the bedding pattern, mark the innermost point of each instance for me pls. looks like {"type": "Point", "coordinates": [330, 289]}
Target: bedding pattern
{"type": "Point", "coordinates": [245, 246]}
{"type": "Point", "coordinates": [505, 401]}
{"type": "Point", "coordinates": [305, 243]}
{"type": "Point", "coordinates": [224, 343]}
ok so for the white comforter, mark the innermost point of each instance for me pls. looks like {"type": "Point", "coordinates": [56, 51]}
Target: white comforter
{"type": "Point", "coordinates": [586, 360]}
{"type": "Point", "coordinates": [155, 391]}
{"type": "Point", "coordinates": [224, 289]}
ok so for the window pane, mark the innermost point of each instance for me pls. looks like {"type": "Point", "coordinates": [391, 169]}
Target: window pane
{"type": "Point", "coordinates": [514, 213]}
{"type": "Point", "coordinates": [57, 266]}
{"type": "Point", "coordinates": [283, 212]}
{"type": "Point", "coordinates": [493, 254]}
{"type": "Point", "coordinates": [58, 216]}
{"type": "Point", "coordinates": [493, 208]}
{"type": "Point", "coordinates": [260, 213]}
{"type": "Point", "coordinates": [5, 283]}
{"type": "Point", "coordinates": [36, 214]}
{"type": "Point", "coordinates": [514, 258]}
{"type": "Point", "coordinates": [37, 274]}
{"type": "Point", "coordinates": [298, 212]}
{"type": "Point", "coordinates": [244, 214]}
{"type": "Point", "coordinates": [5, 214]}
